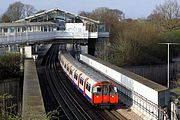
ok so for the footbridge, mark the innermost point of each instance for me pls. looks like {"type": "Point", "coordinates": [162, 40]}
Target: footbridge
{"type": "Point", "coordinates": [19, 33]}
{"type": "Point", "coordinates": [51, 25]}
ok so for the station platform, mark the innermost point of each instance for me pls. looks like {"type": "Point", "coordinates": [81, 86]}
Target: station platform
{"type": "Point", "coordinates": [33, 105]}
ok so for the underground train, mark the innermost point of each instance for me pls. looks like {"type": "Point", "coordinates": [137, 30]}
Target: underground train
{"type": "Point", "coordinates": [98, 90]}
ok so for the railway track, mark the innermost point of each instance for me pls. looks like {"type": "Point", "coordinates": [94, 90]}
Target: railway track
{"type": "Point", "coordinates": [71, 110]}
{"type": "Point", "coordinates": [73, 104]}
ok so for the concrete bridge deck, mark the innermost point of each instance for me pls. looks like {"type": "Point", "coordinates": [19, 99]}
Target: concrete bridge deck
{"type": "Point", "coordinates": [33, 105]}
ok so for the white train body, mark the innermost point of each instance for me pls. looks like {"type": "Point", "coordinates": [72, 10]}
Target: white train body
{"type": "Point", "coordinates": [98, 90]}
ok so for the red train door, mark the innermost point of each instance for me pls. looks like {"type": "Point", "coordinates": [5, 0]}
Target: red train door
{"type": "Point", "coordinates": [105, 93]}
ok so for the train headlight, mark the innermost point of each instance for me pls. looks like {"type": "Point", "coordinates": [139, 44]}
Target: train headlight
{"type": "Point", "coordinates": [112, 96]}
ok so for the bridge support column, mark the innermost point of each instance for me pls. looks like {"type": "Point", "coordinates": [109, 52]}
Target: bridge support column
{"type": "Point", "coordinates": [21, 50]}
{"type": "Point", "coordinates": [36, 48]}
{"type": "Point", "coordinates": [9, 48]}
{"type": "Point", "coordinates": [91, 46]}
{"type": "Point", "coordinates": [28, 51]}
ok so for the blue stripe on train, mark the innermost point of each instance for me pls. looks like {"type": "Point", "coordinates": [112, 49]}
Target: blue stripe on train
{"type": "Point", "coordinates": [81, 90]}
{"type": "Point", "coordinates": [88, 98]}
{"type": "Point", "coordinates": [75, 85]}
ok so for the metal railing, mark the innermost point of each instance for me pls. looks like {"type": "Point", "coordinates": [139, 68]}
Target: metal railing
{"type": "Point", "coordinates": [17, 38]}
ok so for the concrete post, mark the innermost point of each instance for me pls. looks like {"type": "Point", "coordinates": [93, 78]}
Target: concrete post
{"type": "Point", "coordinates": [21, 50]}
{"type": "Point", "coordinates": [28, 51]}
{"type": "Point", "coordinates": [2, 31]}
{"type": "Point", "coordinates": [36, 48]}
{"type": "Point", "coordinates": [174, 112]}
{"type": "Point", "coordinates": [91, 46]}
{"type": "Point", "coordinates": [9, 48]}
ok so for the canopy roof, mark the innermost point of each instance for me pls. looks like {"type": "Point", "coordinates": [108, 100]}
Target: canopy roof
{"type": "Point", "coordinates": [49, 12]}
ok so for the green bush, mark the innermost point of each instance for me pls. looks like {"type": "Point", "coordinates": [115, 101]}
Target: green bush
{"type": "Point", "coordinates": [55, 114]}
{"type": "Point", "coordinates": [4, 112]}
{"type": "Point", "coordinates": [10, 65]}
{"type": "Point", "coordinates": [134, 42]}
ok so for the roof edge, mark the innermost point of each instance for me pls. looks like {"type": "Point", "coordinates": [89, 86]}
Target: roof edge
{"type": "Point", "coordinates": [57, 9]}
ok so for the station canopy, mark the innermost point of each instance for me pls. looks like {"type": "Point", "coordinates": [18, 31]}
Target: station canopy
{"type": "Point", "coordinates": [58, 16]}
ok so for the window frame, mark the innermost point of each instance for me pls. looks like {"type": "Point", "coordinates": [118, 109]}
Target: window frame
{"type": "Point", "coordinates": [88, 86]}
{"type": "Point", "coordinates": [70, 72]}
{"type": "Point", "coordinates": [76, 76]}
{"type": "Point", "coordinates": [81, 81]}
{"type": "Point", "coordinates": [67, 68]}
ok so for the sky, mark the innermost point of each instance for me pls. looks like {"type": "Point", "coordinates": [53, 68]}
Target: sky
{"type": "Point", "coordinates": [131, 8]}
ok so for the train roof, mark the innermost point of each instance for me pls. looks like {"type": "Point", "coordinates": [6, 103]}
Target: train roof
{"type": "Point", "coordinates": [95, 75]}
{"type": "Point", "coordinates": [131, 75]}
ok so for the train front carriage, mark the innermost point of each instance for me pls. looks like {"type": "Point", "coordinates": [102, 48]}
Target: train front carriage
{"type": "Point", "coordinates": [95, 88]}
{"type": "Point", "coordinates": [104, 94]}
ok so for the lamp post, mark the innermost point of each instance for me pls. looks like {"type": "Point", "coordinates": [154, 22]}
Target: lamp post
{"type": "Point", "coordinates": [168, 45]}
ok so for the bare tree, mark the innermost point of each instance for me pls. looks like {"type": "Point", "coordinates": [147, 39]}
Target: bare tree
{"type": "Point", "coordinates": [103, 12]}
{"type": "Point", "coordinates": [0, 19]}
{"type": "Point", "coordinates": [5, 18]}
{"type": "Point", "coordinates": [17, 11]}
{"type": "Point", "coordinates": [110, 17]}
{"type": "Point", "coordinates": [169, 10]}
{"type": "Point", "coordinates": [14, 11]}
{"type": "Point", "coordinates": [28, 10]}
{"type": "Point", "coordinates": [166, 15]}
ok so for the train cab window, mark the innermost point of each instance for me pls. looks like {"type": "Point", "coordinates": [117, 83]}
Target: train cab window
{"type": "Point", "coordinates": [113, 89]}
{"type": "Point", "coordinates": [105, 89]}
{"type": "Point", "coordinates": [81, 81]}
{"type": "Point", "coordinates": [97, 89]}
{"type": "Point", "coordinates": [75, 76]}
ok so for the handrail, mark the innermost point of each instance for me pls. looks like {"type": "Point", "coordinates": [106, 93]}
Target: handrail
{"type": "Point", "coordinates": [16, 38]}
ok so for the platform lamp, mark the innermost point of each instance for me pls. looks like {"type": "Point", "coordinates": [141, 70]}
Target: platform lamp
{"type": "Point", "coordinates": [168, 45]}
